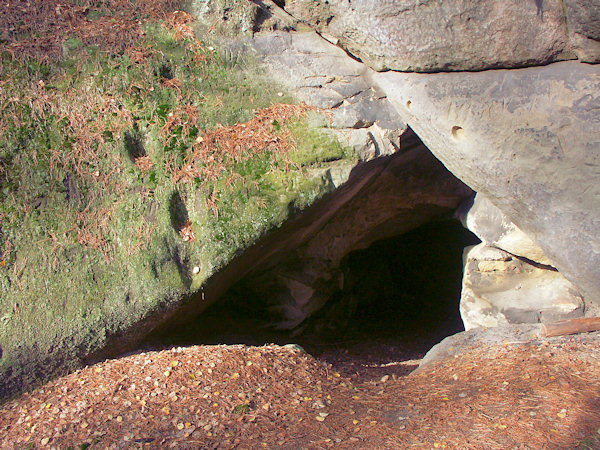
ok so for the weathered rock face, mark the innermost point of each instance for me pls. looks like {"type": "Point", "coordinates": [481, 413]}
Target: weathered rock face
{"type": "Point", "coordinates": [529, 140]}
{"type": "Point", "coordinates": [499, 289]}
{"type": "Point", "coordinates": [508, 111]}
{"type": "Point", "coordinates": [583, 21]}
{"type": "Point", "coordinates": [496, 230]}
{"type": "Point", "coordinates": [483, 126]}
{"type": "Point", "coordinates": [508, 278]}
{"type": "Point", "coordinates": [323, 75]}
{"type": "Point", "coordinates": [225, 17]}
{"type": "Point", "coordinates": [391, 196]}
{"type": "Point", "coordinates": [234, 18]}
{"type": "Point", "coordinates": [428, 36]}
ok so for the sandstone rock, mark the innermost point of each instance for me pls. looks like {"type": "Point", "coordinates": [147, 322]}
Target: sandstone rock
{"type": "Point", "coordinates": [234, 18]}
{"type": "Point", "coordinates": [477, 337]}
{"type": "Point", "coordinates": [529, 140]}
{"type": "Point", "coordinates": [326, 77]}
{"type": "Point", "coordinates": [496, 230]}
{"type": "Point", "coordinates": [452, 34]}
{"type": "Point", "coordinates": [499, 289]}
{"type": "Point", "coordinates": [583, 22]}
{"type": "Point", "coordinates": [321, 73]}
{"type": "Point", "coordinates": [369, 143]}
{"type": "Point", "coordinates": [301, 290]}
{"type": "Point", "coordinates": [225, 17]}
{"type": "Point", "coordinates": [382, 198]}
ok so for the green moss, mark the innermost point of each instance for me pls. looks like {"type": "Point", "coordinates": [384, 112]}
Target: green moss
{"type": "Point", "coordinates": [315, 146]}
{"type": "Point", "coordinates": [71, 46]}
{"type": "Point", "coordinates": [89, 242]}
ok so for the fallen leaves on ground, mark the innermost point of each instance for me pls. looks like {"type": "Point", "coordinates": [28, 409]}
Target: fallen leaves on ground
{"type": "Point", "coordinates": [42, 29]}
{"type": "Point", "coordinates": [511, 396]}
{"type": "Point", "coordinates": [267, 131]}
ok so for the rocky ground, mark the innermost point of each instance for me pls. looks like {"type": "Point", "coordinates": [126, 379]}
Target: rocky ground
{"type": "Point", "coordinates": [543, 394]}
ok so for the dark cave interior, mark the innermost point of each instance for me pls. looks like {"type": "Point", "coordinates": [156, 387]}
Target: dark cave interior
{"type": "Point", "coordinates": [400, 293]}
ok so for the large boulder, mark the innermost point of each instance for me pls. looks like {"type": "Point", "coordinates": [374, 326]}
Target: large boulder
{"type": "Point", "coordinates": [499, 288]}
{"type": "Point", "coordinates": [508, 278]}
{"type": "Point", "coordinates": [496, 230]}
{"type": "Point", "coordinates": [529, 140]}
{"type": "Point", "coordinates": [462, 342]}
{"type": "Point", "coordinates": [437, 35]}
{"type": "Point", "coordinates": [357, 98]}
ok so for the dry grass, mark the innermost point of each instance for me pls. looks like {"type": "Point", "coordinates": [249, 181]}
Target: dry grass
{"type": "Point", "coordinates": [533, 396]}
{"type": "Point", "coordinates": [92, 112]}
{"type": "Point", "coordinates": [38, 28]}
{"type": "Point", "coordinates": [218, 147]}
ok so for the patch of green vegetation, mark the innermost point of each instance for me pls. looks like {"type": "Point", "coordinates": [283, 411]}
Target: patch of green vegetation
{"type": "Point", "coordinates": [95, 14]}
{"type": "Point", "coordinates": [316, 147]}
{"type": "Point", "coordinates": [91, 231]}
{"type": "Point", "coordinates": [242, 408]}
{"type": "Point", "coordinates": [71, 45]}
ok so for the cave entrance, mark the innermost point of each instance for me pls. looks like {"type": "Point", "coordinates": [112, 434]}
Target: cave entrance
{"type": "Point", "coordinates": [400, 297]}
{"type": "Point", "coordinates": [407, 286]}
{"type": "Point", "coordinates": [370, 274]}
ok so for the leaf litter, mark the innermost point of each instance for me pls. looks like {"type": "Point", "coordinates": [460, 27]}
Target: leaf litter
{"type": "Point", "coordinates": [506, 396]}
{"type": "Point", "coordinates": [42, 29]}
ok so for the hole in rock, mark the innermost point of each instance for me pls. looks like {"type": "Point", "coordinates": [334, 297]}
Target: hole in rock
{"type": "Point", "coordinates": [398, 297]}
{"type": "Point", "coordinates": [178, 212]}
{"type": "Point", "coordinates": [457, 132]}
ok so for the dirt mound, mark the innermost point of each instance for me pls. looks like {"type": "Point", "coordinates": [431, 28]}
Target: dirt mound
{"type": "Point", "coordinates": [507, 396]}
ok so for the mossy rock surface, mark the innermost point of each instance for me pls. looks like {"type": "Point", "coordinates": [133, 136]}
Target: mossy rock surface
{"type": "Point", "coordinates": [115, 209]}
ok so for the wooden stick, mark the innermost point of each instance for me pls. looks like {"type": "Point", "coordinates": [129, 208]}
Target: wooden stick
{"type": "Point", "coordinates": [572, 326]}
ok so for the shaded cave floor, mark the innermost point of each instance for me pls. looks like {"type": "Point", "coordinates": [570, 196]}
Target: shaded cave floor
{"type": "Point", "coordinates": [408, 295]}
